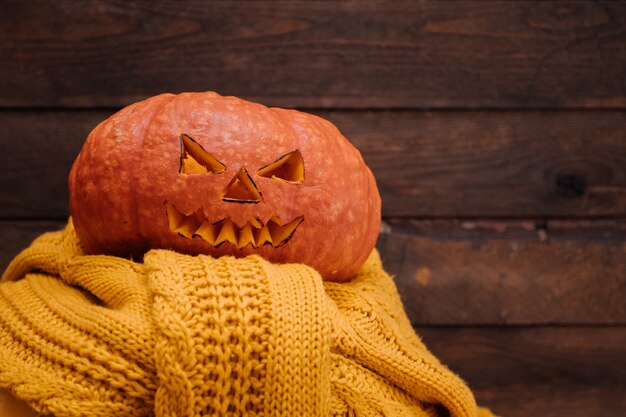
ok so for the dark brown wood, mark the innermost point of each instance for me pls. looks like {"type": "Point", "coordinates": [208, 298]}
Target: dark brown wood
{"type": "Point", "coordinates": [443, 164]}
{"type": "Point", "coordinates": [494, 164]}
{"type": "Point", "coordinates": [17, 235]}
{"type": "Point", "coordinates": [545, 371]}
{"type": "Point", "coordinates": [453, 272]}
{"type": "Point", "coordinates": [553, 400]}
{"type": "Point", "coordinates": [457, 272]}
{"type": "Point", "coordinates": [37, 150]}
{"type": "Point", "coordinates": [477, 54]}
{"type": "Point", "coordinates": [505, 227]}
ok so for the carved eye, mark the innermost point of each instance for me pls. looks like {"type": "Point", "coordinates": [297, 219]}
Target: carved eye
{"type": "Point", "coordinates": [195, 160]}
{"type": "Point", "coordinates": [289, 168]}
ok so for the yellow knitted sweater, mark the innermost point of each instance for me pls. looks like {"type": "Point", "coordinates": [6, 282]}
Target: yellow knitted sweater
{"type": "Point", "coordinates": [180, 335]}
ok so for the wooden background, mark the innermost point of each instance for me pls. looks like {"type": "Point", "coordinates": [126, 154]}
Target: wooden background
{"type": "Point", "coordinates": [496, 131]}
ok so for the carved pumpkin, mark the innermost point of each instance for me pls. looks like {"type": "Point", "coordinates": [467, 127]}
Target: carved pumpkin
{"type": "Point", "coordinates": [201, 173]}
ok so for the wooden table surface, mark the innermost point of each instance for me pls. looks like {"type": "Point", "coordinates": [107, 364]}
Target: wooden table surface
{"type": "Point", "coordinates": [496, 131]}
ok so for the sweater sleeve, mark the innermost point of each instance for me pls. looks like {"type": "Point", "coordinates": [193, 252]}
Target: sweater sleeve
{"type": "Point", "coordinates": [184, 336]}
{"type": "Point", "coordinates": [248, 337]}
{"type": "Point", "coordinates": [239, 337]}
{"type": "Point", "coordinates": [380, 366]}
{"type": "Point", "coordinates": [75, 331]}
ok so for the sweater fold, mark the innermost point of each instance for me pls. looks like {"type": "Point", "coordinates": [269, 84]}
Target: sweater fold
{"type": "Point", "coordinates": [185, 336]}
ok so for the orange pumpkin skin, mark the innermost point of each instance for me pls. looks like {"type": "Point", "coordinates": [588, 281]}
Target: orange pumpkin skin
{"type": "Point", "coordinates": [130, 173]}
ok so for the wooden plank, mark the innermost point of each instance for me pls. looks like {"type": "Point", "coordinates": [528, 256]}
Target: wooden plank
{"type": "Point", "coordinates": [551, 400]}
{"type": "Point", "coordinates": [538, 371]}
{"type": "Point", "coordinates": [442, 164]}
{"type": "Point", "coordinates": [367, 54]}
{"type": "Point", "coordinates": [509, 272]}
{"type": "Point", "coordinates": [17, 235]}
{"type": "Point", "coordinates": [453, 272]}
{"type": "Point", "coordinates": [37, 150]}
{"type": "Point", "coordinates": [494, 164]}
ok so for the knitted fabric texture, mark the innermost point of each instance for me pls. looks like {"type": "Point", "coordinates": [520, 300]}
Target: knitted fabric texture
{"type": "Point", "coordinates": [180, 335]}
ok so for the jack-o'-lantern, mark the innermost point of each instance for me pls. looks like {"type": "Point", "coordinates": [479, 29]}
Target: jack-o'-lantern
{"type": "Point", "coordinates": [204, 174]}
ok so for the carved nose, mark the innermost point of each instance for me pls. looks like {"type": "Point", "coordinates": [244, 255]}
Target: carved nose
{"type": "Point", "coordinates": [241, 189]}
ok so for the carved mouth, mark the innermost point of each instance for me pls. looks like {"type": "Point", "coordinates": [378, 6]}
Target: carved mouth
{"type": "Point", "coordinates": [253, 233]}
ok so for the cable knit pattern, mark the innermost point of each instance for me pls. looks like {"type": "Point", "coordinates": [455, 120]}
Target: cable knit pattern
{"type": "Point", "coordinates": [186, 336]}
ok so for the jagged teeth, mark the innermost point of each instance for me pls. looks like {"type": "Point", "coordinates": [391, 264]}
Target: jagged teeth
{"type": "Point", "coordinates": [253, 232]}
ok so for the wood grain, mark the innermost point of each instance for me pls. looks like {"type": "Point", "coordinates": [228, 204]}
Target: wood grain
{"type": "Point", "coordinates": [37, 150]}
{"type": "Point", "coordinates": [495, 131]}
{"type": "Point", "coordinates": [552, 400]}
{"type": "Point", "coordinates": [428, 165]}
{"type": "Point", "coordinates": [367, 54]}
{"type": "Point", "coordinates": [508, 272]}
{"type": "Point", "coordinates": [538, 371]}
{"type": "Point", "coordinates": [462, 272]}
{"type": "Point", "coordinates": [493, 164]}
{"type": "Point", "coordinates": [16, 236]}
